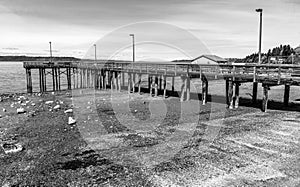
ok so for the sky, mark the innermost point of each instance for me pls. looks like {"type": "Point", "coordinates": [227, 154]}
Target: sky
{"type": "Point", "coordinates": [163, 29]}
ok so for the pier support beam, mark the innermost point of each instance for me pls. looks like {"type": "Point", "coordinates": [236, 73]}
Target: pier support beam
{"type": "Point", "coordinates": [165, 86]}
{"type": "Point", "coordinates": [183, 87]}
{"type": "Point", "coordinates": [230, 94]}
{"type": "Point", "coordinates": [139, 82]}
{"type": "Point", "coordinates": [286, 95]}
{"type": "Point", "coordinates": [266, 89]}
{"type": "Point", "coordinates": [29, 80]}
{"type": "Point", "coordinates": [254, 92]}
{"type": "Point", "coordinates": [129, 82]}
{"type": "Point", "coordinates": [237, 95]}
{"type": "Point", "coordinates": [173, 84]}
{"type": "Point", "coordinates": [204, 90]}
{"type": "Point", "coordinates": [188, 88]}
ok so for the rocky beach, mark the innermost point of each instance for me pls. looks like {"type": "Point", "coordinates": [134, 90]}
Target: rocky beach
{"type": "Point", "coordinates": [104, 146]}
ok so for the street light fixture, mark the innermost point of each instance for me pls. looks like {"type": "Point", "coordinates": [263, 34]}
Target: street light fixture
{"type": "Point", "coordinates": [260, 34]}
{"type": "Point", "coordinates": [133, 50]}
{"type": "Point", "coordinates": [50, 52]}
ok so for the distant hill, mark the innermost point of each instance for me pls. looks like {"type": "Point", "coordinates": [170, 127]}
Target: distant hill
{"type": "Point", "coordinates": [284, 51]}
{"type": "Point", "coordinates": [31, 58]}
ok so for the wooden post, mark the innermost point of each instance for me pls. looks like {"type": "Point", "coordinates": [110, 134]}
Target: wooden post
{"type": "Point", "coordinates": [226, 91]}
{"type": "Point", "coordinates": [286, 95]}
{"type": "Point", "coordinates": [237, 95]}
{"type": "Point", "coordinates": [230, 94]}
{"type": "Point", "coordinates": [81, 78]}
{"type": "Point", "coordinates": [139, 82]}
{"type": "Point", "coordinates": [59, 86]}
{"type": "Point", "coordinates": [173, 84]}
{"type": "Point", "coordinates": [112, 80]}
{"type": "Point", "coordinates": [129, 82]}
{"type": "Point", "coordinates": [133, 82]}
{"type": "Point", "coordinates": [40, 80]}
{"type": "Point", "coordinates": [188, 87]}
{"type": "Point", "coordinates": [119, 81]}
{"type": "Point", "coordinates": [183, 88]}
{"type": "Point", "coordinates": [77, 78]}
{"type": "Point", "coordinates": [29, 80]}
{"type": "Point", "coordinates": [123, 79]}
{"type": "Point", "coordinates": [149, 83]}
{"type": "Point", "coordinates": [45, 80]}
{"type": "Point", "coordinates": [116, 80]}
{"type": "Point", "coordinates": [204, 90]}
{"type": "Point", "coordinates": [265, 98]}
{"type": "Point", "coordinates": [152, 84]}
{"type": "Point", "coordinates": [164, 86]}
{"type": "Point", "coordinates": [156, 86]}
{"type": "Point", "coordinates": [160, 82]}
{"type": "Point", "coordinates": [254, 92]}
{"type": "Point", "coordinates": [53, 79]}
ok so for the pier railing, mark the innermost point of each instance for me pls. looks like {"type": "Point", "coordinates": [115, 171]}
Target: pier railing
{"type": "Point", "coordinates": [274, 72]}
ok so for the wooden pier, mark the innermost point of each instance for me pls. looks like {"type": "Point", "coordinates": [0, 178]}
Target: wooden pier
{"type": "Point", "coordinates": [112, 75]}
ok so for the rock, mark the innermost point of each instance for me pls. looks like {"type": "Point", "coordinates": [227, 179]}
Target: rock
{"type": "Point", "coordinates": [33, 104]}
{"type": "Point", "coordinates": [22, 97]}
{"type": "Point", "coordinates": [56, 107]}
{"type": "Point", "coordinates": [20, 110]}
{"type": "Point", "coordinates": [4, 110]}
{"type": "Point", "coordinates": [11, 148]}
{"type": "Point", "coordinates": [69, 111]}
{"type": "Point", "coordinates": [48, 102]}
{"type": "Point", "coordinates": [0, 116]}
{"type": "Point", "coordinates": [71, 121]}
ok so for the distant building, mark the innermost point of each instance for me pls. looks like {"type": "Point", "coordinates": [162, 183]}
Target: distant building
{"type": "Point", "coordinates": [209, 59]}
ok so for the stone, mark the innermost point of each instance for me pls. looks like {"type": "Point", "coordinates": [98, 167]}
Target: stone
{"type": "Point", "coordinates": [48, 102]}
{"type": "Point", "coordinates": [71, 121]}
{"type": "Point", "coordinates": [9, 148]}
{"type": "Point", "coordinates": [20, 110]}
{"type": "Point", "coordinates": [69, 111]}
{"type": "Point", "coordinates": [56, 107]}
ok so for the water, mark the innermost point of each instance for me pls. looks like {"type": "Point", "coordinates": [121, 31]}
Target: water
{"type": "Point", "coordinates": [13, 78]}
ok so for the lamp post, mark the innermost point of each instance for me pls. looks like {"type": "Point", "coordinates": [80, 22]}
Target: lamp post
{"type": "Point", "coordinates": [260, 33]}
{"type": "Point", "coordinates": [95, 46]}
{"type": "Point", "coordinates": [50, 52]}
{"type": "Point", "coordinates": [133, 50]}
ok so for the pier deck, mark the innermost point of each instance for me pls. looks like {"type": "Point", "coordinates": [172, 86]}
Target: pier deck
{"type": "Point", "coordinates": [112, 74]}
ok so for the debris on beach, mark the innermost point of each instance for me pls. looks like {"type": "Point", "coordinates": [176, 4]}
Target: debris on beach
{"type": "Point", "coordinates": [56, 107]}
{"type": "Point", "coordinates": [48, 102]}
{"type": "Point", "coordinates": [11, 148]}
{"type": "Point", "coordinates": [71, 121]}
{"type": "Point", "coordinates": [68, 111]}
{"type": "Point", "coordinates": [20, 110]}
{"type": "Point", "coordinates": [0, 116]}
{"type": "Point", "coordinates": [4, 110]}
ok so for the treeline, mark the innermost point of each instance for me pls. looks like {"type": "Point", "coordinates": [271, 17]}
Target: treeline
{"type": "Point", "coordinates": [31, 58]}
{"type": "Point", "coordinates": [284, 51]}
